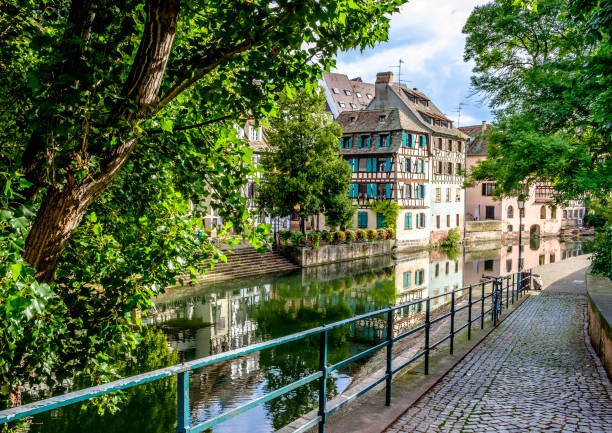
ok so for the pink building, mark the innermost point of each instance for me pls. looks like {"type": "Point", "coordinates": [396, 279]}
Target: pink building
{"type": "Point", "coordinates": [540, 216]}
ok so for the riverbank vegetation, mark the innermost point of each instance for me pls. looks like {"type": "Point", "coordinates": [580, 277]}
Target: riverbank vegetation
{"type": "Point", "coordinates": [118, 138]}
{"type": "Point", "coordinates": [553, 118]}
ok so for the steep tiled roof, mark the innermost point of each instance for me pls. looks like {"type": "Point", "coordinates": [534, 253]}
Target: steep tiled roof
{"type": "Point", "coordinates": [417, 108]}
{"type": "Point", "coordinates": [341, 84]}
{"type": "Point", "coordinates": [477, 145]}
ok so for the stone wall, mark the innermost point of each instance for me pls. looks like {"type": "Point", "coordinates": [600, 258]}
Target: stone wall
{"type": "Point", "coordinates": [483, 230]}
{"type": "Point", "coordinates": [599, 294]}
{"type": "Point", "coordinates": [303, 256]}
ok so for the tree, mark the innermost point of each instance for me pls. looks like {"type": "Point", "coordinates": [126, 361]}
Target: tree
{"type": "Point", "coordinates": [546, 72]}
{"type": "Point", "coordinates": [116, 129]}
{"type": "Point", "coordinates": [389, 210]}
{"type": "Point", "coordinates": [303, 173]}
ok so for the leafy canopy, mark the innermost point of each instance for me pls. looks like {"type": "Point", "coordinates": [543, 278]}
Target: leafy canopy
{"type": "Point", "coordinates": [303, 173]}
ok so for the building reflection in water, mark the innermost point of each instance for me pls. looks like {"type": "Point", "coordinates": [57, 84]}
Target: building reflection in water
{"type": "Point", "coordinates": [201, 321]}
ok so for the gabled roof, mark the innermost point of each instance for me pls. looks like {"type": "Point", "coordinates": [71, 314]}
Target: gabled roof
{"type": "Point", "coordinates": [417, 108]}
{"type": "Point", "coordinates": [477, 145]}
{"type": "Point", "coordinates": [368, 121]}
{"type": "Point", "coordinates": [355, 86]}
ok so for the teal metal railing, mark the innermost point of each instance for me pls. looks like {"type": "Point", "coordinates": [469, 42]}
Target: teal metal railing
{"type": "Point", "coordinates": [515, 286]}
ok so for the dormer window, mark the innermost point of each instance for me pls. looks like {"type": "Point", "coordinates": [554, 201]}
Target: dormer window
{"type": "Point", "coordinates": [335, 90]}
{"type": "Point", "coordinates": [382, 118]}
{"type": "Point", "coordinates": [347, 92]}
{"type": "Point", "coordinates": [369, 96]}
{"type": "Point", "coordinates": [353, 120]}
{"type": "Point", "coordinates": [358, 94]}
{"type": "Point", "coordinates": [353, 106]}
{"type": "Point", "coordinates": [341, 104]}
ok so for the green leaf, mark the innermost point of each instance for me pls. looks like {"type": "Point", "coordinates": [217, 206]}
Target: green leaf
{"type": "Point", "coordinates": [16, 270]}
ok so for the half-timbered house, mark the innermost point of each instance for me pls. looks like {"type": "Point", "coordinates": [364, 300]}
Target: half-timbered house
{"type": "Point", "coordinates": [388, 153]}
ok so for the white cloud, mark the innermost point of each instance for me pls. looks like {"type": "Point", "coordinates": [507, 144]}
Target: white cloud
{"type": "Point", "coordinates": [427, 36]}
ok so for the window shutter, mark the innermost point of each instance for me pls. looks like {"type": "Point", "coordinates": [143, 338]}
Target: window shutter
{"type": "Point", "coordinates": [341, 142]}
{"type": "Point", "coordinates": [404, 139]}
{"type": "Point", "coordinates": [388, 165]}
{"type": "Point", "coordinates": [359, 142]}
{"type": "Point", "coordinates": [423, 220]}
{"type": "Point", "coordinates": [423, 191]}
{"type": "Point", "coordinates": [374, 165]}
{"type": "Point", "coordinates": [374, 190]}
{"type": "Point", "coordinates": [409, 220]}
{"type": "Point", "coordinates": [388, 140]}
{"type": "Point", "coordinates": [423, 141]}
{"type": "Point", "coordinates": [368, 165]}
{"type": "Point", "coordinates": [369, 143]}
{"type": "Point", "coordinates": [350, 143]}
{"type": "Point", "coordinates": [484, 189]}
{"type": "Point", "coordinates": [378, 140]}
{"type": "Point", "coordinates": [388, 190]}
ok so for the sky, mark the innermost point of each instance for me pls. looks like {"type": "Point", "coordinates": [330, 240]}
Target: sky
{"type": "Point", "coordinates": [426, 35]}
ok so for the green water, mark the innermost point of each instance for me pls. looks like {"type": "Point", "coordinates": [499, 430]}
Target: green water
{"type": "Point", "coordinates": [201, 321]}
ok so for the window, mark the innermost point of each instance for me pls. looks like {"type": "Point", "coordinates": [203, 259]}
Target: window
{"type": "Point", "coordinates": [510, 212]}
{"type": "Point", "coordinates": [488, 265]}
{"type": "Point", "coordinates": [448, 194]}
{"type": "Point", "coordinates": [552, 258]}
{"type": "Point", "coordinates": [240, 131]}
{"type": "Point", "coordinates": [335, 90]}
{"type": "Point", "coordinates": [543, 213]}
{"type": "Point", "coordinates": [487, 189]}
{"type": "Point", "coordinates": [407, 278]}
{"type": "Point", "coordinates": [457, 220]}
{"type": "Point", "coordinates": [341, 104]}
{"type": "Point", "coordinates": [437, 271]}
{"type": "Point", "coordinates": [362, 220]}
{"type": "Point", "coordinates": [448, 224]}
{"type": "Point", "coordinates": [580, 213]}
{"type": "Point", "coordinates": [458, 194]}
{"type": "Point", "coordinates": [358, 94]}
{"type": "Point", "coordinates": [381, 118]}
{"type": "Point", "coordinates": [564, 214]}
{"type": "Point", "coordinates": [437, 221]}
{"type": "Point", "coordinates": [347, 92]}
{"type": "Point", "coordinates": [542, 259]}
{"type": "Point", "coordinates": [446, 268]}
{"type": "Point", "coordinates": [439, 167]}
{"type": "Point", "coordinates": [456, 266]}
{"type": "Point", "coordinates": [553, 213]}
{"type": "Point", "coordinates": [458, 168]}
{"type": "Point", "coordinates": [408, 221]}
{"type": "Point", "coordinates": [490, 212]}
{"type": "Point", "coordinates": [449, 168]}
{"type": "Point", "coordinates": [509, 265]}
{"type": "Point", "coordinates": [380, 220]}
{"type": "Point", "coordinates": [353, 106]}
{"type": "Point", "coordinates": [509, 248]}
{"type": "Point", "coordinates": [419, 277]}
{"type": "Point", "coordinates": [352, 120]}
{"type": "Point", "coordinates": [509, 228]}
{"type": "Point", "coordinates": [254, 133]}
{"type": "Point", "coordinates": [353, 190]}
{"type": "Point", "coordinates": [438, 195]}
{"type": "Point", "coordinates": [459, 147]}
{"type": "Point", "coordinates": [369, 96]}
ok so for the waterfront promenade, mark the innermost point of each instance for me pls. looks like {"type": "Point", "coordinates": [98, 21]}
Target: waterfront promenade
{"type": "Point", "coordinates": [536, 372]}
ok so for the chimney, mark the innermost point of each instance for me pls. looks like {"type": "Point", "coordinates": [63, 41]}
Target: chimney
{"type": "Point", "coordinates": [384, 78]}
{"type": "Point", "coordinates": [484, 125]}
{"type": "Point", "coordinates": [415, 89]}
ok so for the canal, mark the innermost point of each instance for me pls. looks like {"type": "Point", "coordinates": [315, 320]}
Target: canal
{"type": "Point", "coordinates": [196, 321]}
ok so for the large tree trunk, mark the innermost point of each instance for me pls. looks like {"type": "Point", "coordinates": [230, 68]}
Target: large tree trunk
{"type": "Point", "coordinates": [62, 210]}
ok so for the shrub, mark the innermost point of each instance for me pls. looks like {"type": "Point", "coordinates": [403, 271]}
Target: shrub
{"type": "Point", "coordinates": [339, 237]}
{"type": "Point", "coordinates": [314, 238]}
{"type": "Point", "coordinates": [350, 236]}
{"type": "Point", "coordinates": [381, 234]}
{"type": "Point", "coordinates": [284, 236]}
{"type": "Point", "coordinates": [361, 235]}
{"type": "Point", "coordinates": [602, 254]}
{"type": "Point", "coordinates": [297, 238]}
{"type": "Point", "coordinates": [327, 236]}
{"type": "Point", "coordinates": [371, 234]}
{"type": "Point", "coordinates": [452, 239]}
{"type": "Point", "coordinates": [390, 233]}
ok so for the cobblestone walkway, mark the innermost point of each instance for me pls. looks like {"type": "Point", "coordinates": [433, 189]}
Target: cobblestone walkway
{"type": "Point", "coordinates": [535, 373]}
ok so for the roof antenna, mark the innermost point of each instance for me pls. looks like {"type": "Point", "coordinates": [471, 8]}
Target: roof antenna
{"type": "Point", "coordinates": [399, 72]}
{"type": "Point", "coordinates": [458, 111]}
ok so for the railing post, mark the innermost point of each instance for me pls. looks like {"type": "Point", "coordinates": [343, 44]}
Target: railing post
{"type": "Point", "coordinates": [507, 290]}
{"type": "Point", "coordinates": [427, 326]}
{"type": "Point", "coordinates": [482, 306]}
{"type": "Point", "coordinates": [452, 322]}
{"type": "Point", "coordinates": [530, 278]}
{"type": "Point", "coordinates": [389, 356]}
{"type": "Point", "coordinates": [512, 289]}
{"type": "Point", "coordinates": [182, 397]}
{"type": "Point", "coordinates": [519, 285]}
{"type": "Point", "coordinates": [323, 380]}
{"type": "Point", "coordinates": [470, 313]}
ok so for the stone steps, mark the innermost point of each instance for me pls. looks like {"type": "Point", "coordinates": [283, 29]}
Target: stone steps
{"type": "Point", "coordinates": [246, 262]}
